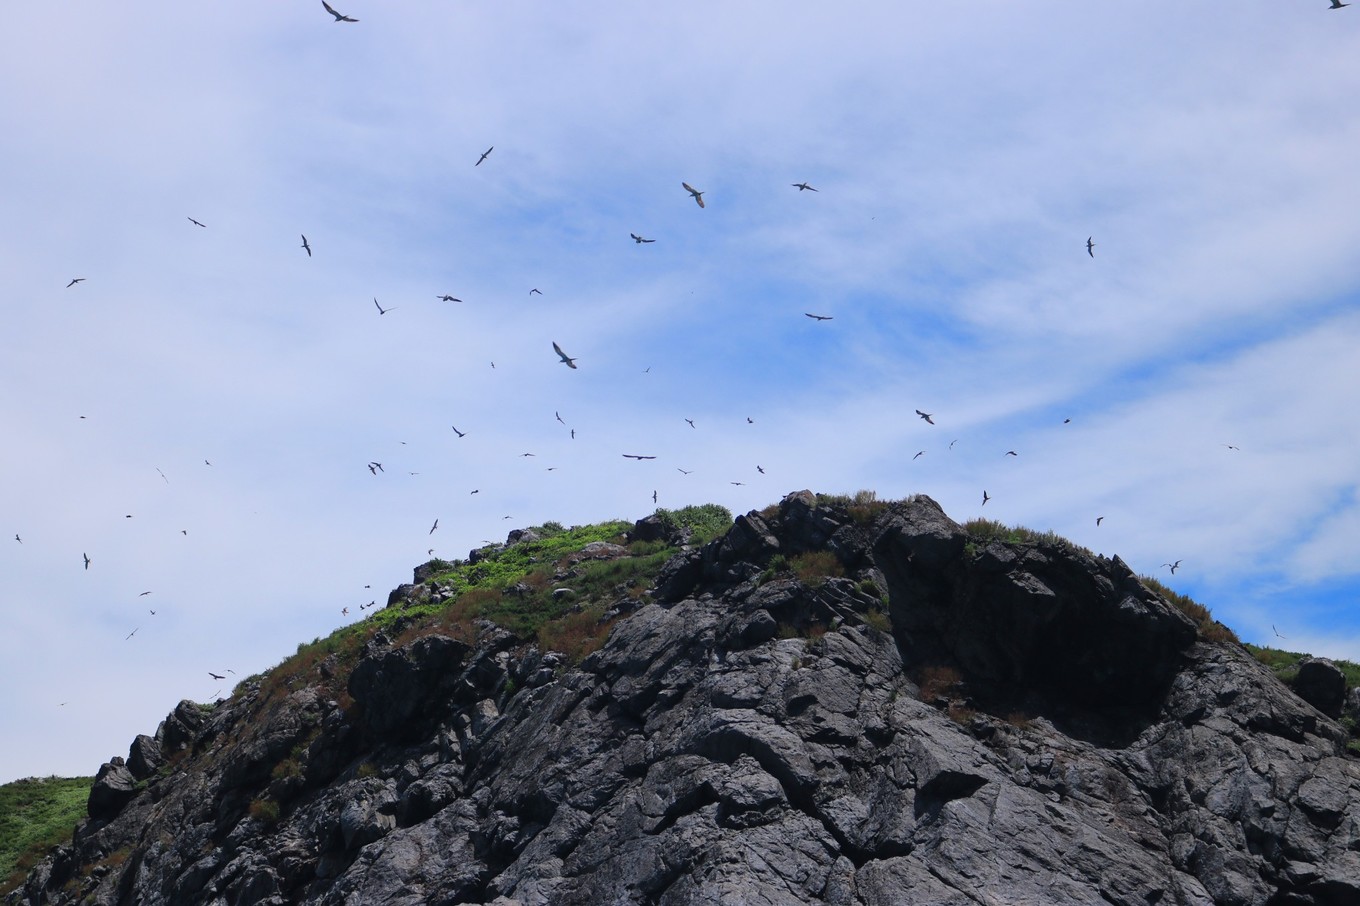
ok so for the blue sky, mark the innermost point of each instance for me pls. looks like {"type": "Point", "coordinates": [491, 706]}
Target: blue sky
{"type": "Point", "coordinates": [962, 154]}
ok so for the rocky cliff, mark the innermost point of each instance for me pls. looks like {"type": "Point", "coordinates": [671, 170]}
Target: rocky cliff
{"type": "Point", "coordinates": [832, 703]}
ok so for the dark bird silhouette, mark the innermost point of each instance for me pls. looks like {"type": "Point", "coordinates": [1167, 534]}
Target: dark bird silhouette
{"type": "Point", "coordinates": [87, 560]}
{"type": "Point", "coordinates": [132, 633]}
{"type": "Point", "coordinates": [566, 359]}
{"type": "Point", "coordinates": [1099, 520]}
{"type": "Point", "coordinates": [738, 483]}
{"type": "Point", "coordinates": [698, 196]}
{"type": "Point", "coordinates": [558, 416]}
{"type": "Point", "coordinates": [573, 433]}
{"type": "Point", "coordinates": [929, 417]}
{"type": "Point", "coordinates": [1173, 566]}
{"type": "Point", "coordinates": [1230, 446]}
{"type": "Point", "coordinates": [750, 421]}
{"type": "Point", "coordinates": [459, 433]}
{"type": "Point", "coordinates": [74, 281]}
{"type": "Point", "coordinates": [532, 291]}
{"type": "Point", "coordinates": [919, 455]}
{"type": "Point", "coordinates": [803, 187]}
{"type": "Point", "coordinates": [1272, 625]}
{"type": "Point", "coordinates": [691, 422]}
{"type": "Point", "coordinates": [144, 594]}
{"type": "Point", "coordinates": [1067, 421]}
{"type": "Point", "coordinates": [217, 676]}
{"type": "Point", "coordinates": [478, 491]}
{"type": "Point", "coordinates": [433, 527]}
{"type": "Point", "coordinates": [654, 497]}
{"type": "Point", "coordinates": [305, 245]}
{"type": "Point", "coordinates": [448, 298]}
{"type": "Point", "coordinates": [344, 611]}
{"type": "Point", "coordinates": [381, 310]}
{"type": "Point", "coordinates": [1336, 4]}
{"type": "Point", "coordinates": [819, 317]}
{"type": "Point", "coordinates": [636, 456]}
{"type": "Point", "coordinates": [1090, 247]}
{"type": "Point", "coordinates": [17, 538]}
{"type": "Point", "coordinates": [338, 16]}
{"type": "Point", "coordinates": [760, 470]}
{"type": "Point", "coordinates": [196, 223]}
{"type": "Point", "coordinates": [376, 467]}
{"type": "Point", "coordinates": [683, 471]}
{"type": "Point", "coordinates": [483, 157]}
{"type": "Point", "coordinates": [638, 239]}
{"type": "Point", "coordinates": [1011, 453]}
{"type": "Point", "coordinates": [526, 454]}
{"type": "Point", "coordinates": [985, 497]}
{"type": "Point", "coordinates": [167, 481]}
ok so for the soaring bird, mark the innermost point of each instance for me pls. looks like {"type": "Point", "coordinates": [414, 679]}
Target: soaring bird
{"type": "Point", "coordinates": [698, 196]}
{"type": "Point", "coordinates": [636, 456]}
{"type": "Point", "coordinates": [132, 633]}
{"type": "Point", "coordinates": [196, 223]}
{"type": "Point", "coordinates": [654, 497]}
{"type": "Point", "coordinates": [484, 154]}
{"type": "Point", "coordinates": [566, 359]}
{"type": "Point", "coordinates": [305, 245]}
{"type": "Point", "coordinates": [1099, 520]}
{"type": "Point", "coordinates": [803, 187]}
{"type": "Point", "coordinates": [1230, 446]}
{"type": "Point", "coordinates": [433, 527]}
{"type": "Point", "coordinates": [738, 483]}
{"type": "Point", "coordinates": [459, 433]}
{"type": "Point", "coordinates": [760, 470]}
{"type": "Point", "coordinates": [381, 310]}
{"type": "Point", "coordinates": [683, 471]}
{"type": "Point", "coordinates": [638, 239]}
{"type": "Point", "coordinates": [985, 497]}
{"type": "Point", "coordinates": [338, 16]}
{"type": "Point", "coordinates": [144, 594]}
{"type": "Point", "coordinates": [87, 560]}
{"type": "Point", "coordinates": [558, 416]}
{"type": "Point", "coordinates": [691, 422]}
{"type": "Point", "coordinates": [448, 298]}
{"type": "Point", "coordinates": [535, 290]}
{"type": "Point", "coordinates": [1173, 566]}
{"type": "Point", "coordinates": [930, 419]}
{"type": "Point", "coordinates": [376, 467]}
{"type": "Point", "coordinates": [919, 455]}
{"type": "Point", "coordinates": [74, 281]}
{"type": "Point", "coordinates": [17, 538]}
{"type": "Point", "coordinates": [1090, 247]}
{"type": "Point", "coordinates": [818, 317]}
{"type": "Point", "coordinates": [1336, 4]}
{"type": "Point", "coordinates": [1272, 625]}
{"type": "Point", "coordinates": [750, 421]}
{"type": "Point", "coordinates": [217, 676]}
{"type": "Point", "coordinates": [1011, 453]}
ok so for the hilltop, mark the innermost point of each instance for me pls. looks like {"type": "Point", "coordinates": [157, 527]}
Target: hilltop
{"type": "Point", "coordinates": [833, 700]}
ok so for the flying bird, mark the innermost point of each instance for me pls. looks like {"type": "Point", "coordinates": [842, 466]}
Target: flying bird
{"type": "Point", "coordinates": [196, 223]}
{"type": "Point", "coordinates": [683, 471]}
{"type": "Point", "coordinates": [17, 538]}
{"type": "Point", "coordinates": [344, 611]}
{"type": "Point", "coordinates": [433, 527]}
{"type": "Point", "coordinates": [654, 497]}
{"type": "Point", "coordinates": [760, 470]}
{"type": "Point", "coordinates": [985, 497]}
{"type": "Point", "coordinates": [750, 421]}
{"type": "Point", "coordinates": [526, 454]}
{"type": "Point", "coordinates": [1230, 446]}
{"type": "Point", "coordinates": [638, 239]}
{"type": "Point", "coordinates": [217, 676]}
{"type": "Point", "coordinates": [1173, 566]}
{"type": "Point", "coordinates": [305, 245]}
{"type": "Point", "coordinates": [381, 310]}
{"type": "Point", "coordinates": [1090, 247]}
{"type": "Point", "coordinates": [532, 291]}
{"type": "Point", "coordinates": [1336, 4]}
{"type": "Point", "coordinates": [929, 417]}
{"type": "Point", "coordinates": [558, 416]}
{"type": "Point", "coordinates": [1272, 625]}
{"type": "Point", "coordinates": [376, 467]}
{"type": "Point", "coordinates": [919, 455]}
{"type": "Point", "coordinates": [132, 633]}
{"type": "Point", "coordinates": [144, 594]}
{"type": "Point", "coordinates": [738, 483]}
{"type": "Point", "coordinates": [1011, 453]}
{"type": "Point", "coordinates": [483, 157]}
{"type": "Point", "coordinates": [74, 281]}
{"type": "Point", "coordinates": [819, 317]}
{"type": "Point", "coordinates": [698, 196]}
{"type": "Point", "coordinates": [459, 433]}
{"type": "Point", "coordinates": [338, 16]}
{"type": "Point", "coordinates": [691, 422]}
{"type": "Point", "coordinates": [566, 359]}
{"type": "Point", "coordinates": [87, 560]}
{"type": "Point", "coordinates": [448, 298]}
{"type": "Point", "coordinates": [803, 187]}
{"type": "Point", "coordinates": [636, 456]}
{"type": "Point", "coordinates": [1099, 520]}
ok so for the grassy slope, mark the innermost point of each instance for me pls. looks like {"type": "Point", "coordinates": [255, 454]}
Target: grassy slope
{"type": "Point", "coordinates": [35, 815]}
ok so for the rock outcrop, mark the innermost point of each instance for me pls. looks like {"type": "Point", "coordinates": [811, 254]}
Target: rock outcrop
{"type": "Point", "coordinates": [845, 704]}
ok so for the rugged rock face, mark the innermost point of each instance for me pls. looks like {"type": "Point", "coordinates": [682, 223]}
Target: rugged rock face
{"type": "Point", "coordinates": [1036, 728]}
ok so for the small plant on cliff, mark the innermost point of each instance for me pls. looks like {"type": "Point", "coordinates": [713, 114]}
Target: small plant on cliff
{"type": "Point", "coordinates": [1210, 630]}
{"type": "Point", "coordinates": [814, 567]}
{"type": "Point", "coordinates": [265, 811]}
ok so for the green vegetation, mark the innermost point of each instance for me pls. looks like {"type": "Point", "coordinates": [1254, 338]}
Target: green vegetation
{"type": "Point", "coordinates": [984, 531]}
{"type": "Point", "coordinates": [705, 522]}
{"type": "Point", "coordinates": [36, 815]}
{"type": "Point", "coordinates": [1285, 664]}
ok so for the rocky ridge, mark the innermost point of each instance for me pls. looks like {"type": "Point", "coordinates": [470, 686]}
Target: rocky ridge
{"type": "Point", "coordinates": [848, 704]}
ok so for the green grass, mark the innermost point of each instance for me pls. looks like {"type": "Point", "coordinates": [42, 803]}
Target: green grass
{"type": "Point", "coordinates": [36, 815]}
{"type": "Point", "coordinates": [1285, 664]}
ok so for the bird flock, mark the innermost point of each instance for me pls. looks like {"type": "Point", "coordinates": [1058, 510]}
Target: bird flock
{"type": "Point", "coordinates": [821, 321]}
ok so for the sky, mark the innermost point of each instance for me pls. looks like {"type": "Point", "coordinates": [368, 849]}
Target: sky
{"type": "Point", "coordinates": [199, 414]}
